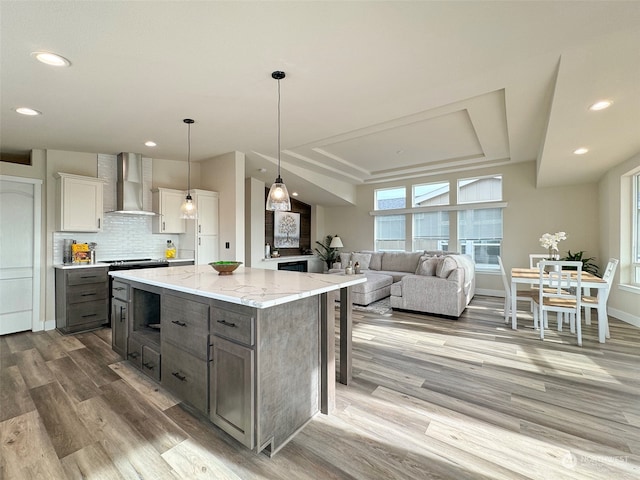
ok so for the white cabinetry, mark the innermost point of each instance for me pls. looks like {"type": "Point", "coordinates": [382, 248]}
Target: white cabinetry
{"type": "Point", "coordinates": [166, 203]}
{"type": "Point", "coordinates": [79, 203]}
{"type": "Point", "coordinates": [201, 234]}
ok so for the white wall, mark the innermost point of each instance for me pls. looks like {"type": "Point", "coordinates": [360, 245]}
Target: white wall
{"type": "Point", "coordinates": [225, 174]}
{"type": "Point", "coordinates": [254, 222]}
{"type": "Point", "coordinates": [615, 237]}
{"type": "Point", "coordinates": [530, 213]}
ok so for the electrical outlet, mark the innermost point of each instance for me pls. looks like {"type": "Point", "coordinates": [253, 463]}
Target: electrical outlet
{"type": "Point", "coordinates": [226, 245]}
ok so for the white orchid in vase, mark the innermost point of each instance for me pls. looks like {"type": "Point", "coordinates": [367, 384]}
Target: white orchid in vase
{"type": "Point", "coordinates": [550, 241]}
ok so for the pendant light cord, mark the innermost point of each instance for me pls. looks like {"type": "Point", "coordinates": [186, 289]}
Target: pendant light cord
{"type": "Point", "coordinates": [189, 159]}
{"type": "Point", "coordinates": [278, 128]}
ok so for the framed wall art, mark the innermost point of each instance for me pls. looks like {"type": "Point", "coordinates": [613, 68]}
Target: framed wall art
{"type": "Point", "coordinates": [286, 230]}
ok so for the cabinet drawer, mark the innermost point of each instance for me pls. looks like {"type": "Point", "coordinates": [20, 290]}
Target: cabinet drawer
{"type": "Point", "coordinates": [87, 292]}
{"type": "Point", "coordinates": [186, 323]}
{"type": "Point", "coordinates": [82, 276]}
{"type": "Point", "coordinates": [151, 362]}
{"type": "Point", "coordinates": [185, 375]}
{"type": "Point", "coordinates": [134, 352]}
{"type": "Point", "coordinates": [120, 290]}
{"type": "Point", "coordinates": [233, 325]}
{"type": "Point", "coordinates": [87, 312]}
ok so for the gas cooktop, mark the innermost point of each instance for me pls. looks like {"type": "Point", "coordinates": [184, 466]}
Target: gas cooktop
{"type": "Point", "coordinates": [137, 263]}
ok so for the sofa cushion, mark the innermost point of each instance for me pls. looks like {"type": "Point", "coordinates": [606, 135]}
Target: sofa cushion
{"type": "Point", "coordinates": [344, 259]}
{"type": "Point", "coordinates": [445, 266]}
{"type": "Point", "coordinates": [376, 259]}
{"type": "Point", "coordinates": [427, 265]}
{"type": "Point", "coordinates": [400, 261]}
{"type": "Point", "coordinates": [396, 289]}
{"type": "Point", "coordinates": [362, 258]}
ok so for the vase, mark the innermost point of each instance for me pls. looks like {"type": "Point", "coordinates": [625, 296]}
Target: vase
{"type": "Point", "coordinates": [553, 254]}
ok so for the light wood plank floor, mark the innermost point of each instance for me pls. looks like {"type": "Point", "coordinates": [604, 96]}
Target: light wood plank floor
{"type": "Point", "coordinates": [432, 398]}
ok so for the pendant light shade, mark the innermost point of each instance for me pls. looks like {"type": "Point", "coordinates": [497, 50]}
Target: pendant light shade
{"type": "Point", "coordinates": [278, 198]}
{"type": "Point", "coordinates": [188, 208]}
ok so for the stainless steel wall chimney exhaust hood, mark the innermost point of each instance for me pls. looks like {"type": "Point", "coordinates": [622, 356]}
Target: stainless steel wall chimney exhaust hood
{"type": "Point", "coordinates": [129, 185]}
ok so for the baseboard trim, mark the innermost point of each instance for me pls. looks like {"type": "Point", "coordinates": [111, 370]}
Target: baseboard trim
{"type": "Point", "coordinates": [490, 293]}
{"type": "Point", "coordinates": [624, 316]}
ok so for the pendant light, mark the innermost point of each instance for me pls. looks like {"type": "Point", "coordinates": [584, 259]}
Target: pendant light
{"type": "Point", "coordinates": [188, 208]}
{"type": "Point", "coordinates": [278, 198]}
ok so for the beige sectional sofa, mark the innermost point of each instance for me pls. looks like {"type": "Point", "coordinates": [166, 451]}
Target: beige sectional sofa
{"type": "Point", "coordinates": [432, 282]}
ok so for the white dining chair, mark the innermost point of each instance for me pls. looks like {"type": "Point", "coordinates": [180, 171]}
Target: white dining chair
{"type": "Point", "coordinates": [535, 258]}
{"type": "Point", "coordinates": [589, 302]}
{"type": "Point", "coordinates": [559, 291]}
{"type": "Point", "coordinates": [524, 296]}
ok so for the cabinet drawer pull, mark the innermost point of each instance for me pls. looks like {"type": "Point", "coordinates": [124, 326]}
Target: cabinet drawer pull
{"type": "Point", "coordinates": [223, 322]}
{"type": "Point", "coordinates": [88, 294]}
{"type": "Point", "coordinates": [90, 276]}
{"type": "Point", "coordinates": [179, 323]}
{"type": "Point", "coordinates": [118, 288]}
{"type": "Point", "coordinates": [148, 365]}
{"type": "Point", "coordinates": [134, 354]}
{"type": "Point", "coordinates": [180, 377]}
{"type": "Point", "coordinates": [90, 315]}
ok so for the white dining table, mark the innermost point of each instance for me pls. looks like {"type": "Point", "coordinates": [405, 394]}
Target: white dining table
{"type": "Point", "coordinates": [531, 276]}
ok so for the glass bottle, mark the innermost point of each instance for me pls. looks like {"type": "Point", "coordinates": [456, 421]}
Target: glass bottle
{"type": "Point", "coordinates": [170, 250]}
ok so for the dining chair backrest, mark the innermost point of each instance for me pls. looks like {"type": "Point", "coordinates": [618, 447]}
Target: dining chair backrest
{"type": "Point", "coordinates": [535, 258]}
{"type": "Point", "coordinates": [608, 274]}
{"type": "Point", "coordinates": [505, 280]}
{"type": "Point", "coordinates": [560, 280]}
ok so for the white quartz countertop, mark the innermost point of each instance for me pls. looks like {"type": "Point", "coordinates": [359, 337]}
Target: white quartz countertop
{"type": "Point", "coordinates": [254, 287]}
{"type": "Point", "coordinates": [71, 266]}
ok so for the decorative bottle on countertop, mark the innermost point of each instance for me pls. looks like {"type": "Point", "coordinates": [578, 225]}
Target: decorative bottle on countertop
{"type": "Point", "coordinates": [170, 251]}
{"type": "Point", "coordinates": [267, 251]}
{"type": "Point", "coordinates": [356, 268]}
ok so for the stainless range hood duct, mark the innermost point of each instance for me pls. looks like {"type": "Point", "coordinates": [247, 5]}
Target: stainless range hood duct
{"type": "Point", "coordinates": [129, 185]}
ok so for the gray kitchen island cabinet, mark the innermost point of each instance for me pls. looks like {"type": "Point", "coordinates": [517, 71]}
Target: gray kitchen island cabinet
{"type": "Point", "coordinates": [250, 350]}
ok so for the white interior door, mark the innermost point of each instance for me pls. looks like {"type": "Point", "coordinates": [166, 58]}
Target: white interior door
{"type": "Point", "coordinates": [19, 254]}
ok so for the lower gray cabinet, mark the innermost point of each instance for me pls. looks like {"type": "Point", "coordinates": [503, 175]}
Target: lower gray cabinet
{"type": "Point", "coordinates": [185, 375]}
{"type": "Point", "coordinates": [119, 319]}
{"type": "Point", "coordinates": [231, 390]}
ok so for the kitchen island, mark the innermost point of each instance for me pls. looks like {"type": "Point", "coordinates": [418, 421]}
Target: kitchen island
{"type": "Point", "coordinates": [254, 351]}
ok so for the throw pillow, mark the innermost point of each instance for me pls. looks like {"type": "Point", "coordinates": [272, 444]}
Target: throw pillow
{"type": "Point", "coordinates": [344, 259]}
{"type": "Point", "coordinates": [446, 265]}
{"type": "Point", "coordinates": [363, 258]}
{"type": "Point", "coordinates": [427, 266]}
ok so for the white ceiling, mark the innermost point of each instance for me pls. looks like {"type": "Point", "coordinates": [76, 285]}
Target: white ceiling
{"type": "Point", "coordinates": [375, 91]}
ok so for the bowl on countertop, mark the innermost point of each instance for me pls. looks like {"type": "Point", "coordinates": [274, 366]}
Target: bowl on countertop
{"type": "Point", "coordinates": [225, 267]}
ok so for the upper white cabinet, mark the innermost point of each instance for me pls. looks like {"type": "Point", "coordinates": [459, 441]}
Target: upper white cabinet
{"type": "Point", "coordinates": [79, 203]}
{"type": "Point", "coordinates": [202, 233]}
{"type": "Point", "coordinates": [166, 203]}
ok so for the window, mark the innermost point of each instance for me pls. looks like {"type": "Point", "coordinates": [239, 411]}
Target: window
{"type": "Point", "coordinates": [390, 198]}
{"type": "Point", "coordinates": [431, 231]}
{"type": "Point", "coordinates": [431, 194]}
{"type": "Point", "coordinates": [480, 230]}
{"type": "Point", "coordinates": [390, 231]}
{"type": "Point", "coordinates": [481, 189]}
{"type": "Point", "coordinates": [635, 206]}
{"type": "Point", "coordinates": [480, 235]}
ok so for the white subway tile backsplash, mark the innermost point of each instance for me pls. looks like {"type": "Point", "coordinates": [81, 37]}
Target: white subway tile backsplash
{"type": "Point", "coordinates": [122, 237]}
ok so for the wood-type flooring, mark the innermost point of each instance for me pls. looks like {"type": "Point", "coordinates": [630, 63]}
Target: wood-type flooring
{"type": "Point", "coordinates": [432, 398]}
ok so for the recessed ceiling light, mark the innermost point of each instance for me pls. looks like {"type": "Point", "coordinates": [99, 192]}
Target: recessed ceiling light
{"type": "Point", "coordinates": [28, 111]}
{"type": "Point", "coordinates": [581, 151]}
{"type": "Point", "coordinates": [600, 105]}
{"type": "Point", "coordinates": [295, 194]}
{"type": "Point", "coordinates": [51, 59]}
{"type": "Point", "coordinates": [150, 143]}
{"type": "Point", "coordinates": [262, 170]}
